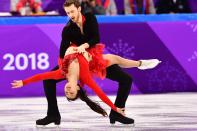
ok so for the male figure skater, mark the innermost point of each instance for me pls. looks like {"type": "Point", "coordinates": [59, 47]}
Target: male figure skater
{"type": "Point", "coordinates": [82, 29]}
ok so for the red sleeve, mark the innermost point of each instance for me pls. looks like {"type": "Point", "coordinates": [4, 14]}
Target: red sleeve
{"type": "Point", "coordinates": [60, 62]}
{"type": "Point", "coordinates": [44, 76]}
{"type": "Point", "coordinates": [86, 78]}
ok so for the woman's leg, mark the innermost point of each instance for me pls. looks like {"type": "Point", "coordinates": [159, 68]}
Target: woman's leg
{"type": "Point", "coordinates": [126, 63]}
{"type": "Point", "coordinates": [122, 62]}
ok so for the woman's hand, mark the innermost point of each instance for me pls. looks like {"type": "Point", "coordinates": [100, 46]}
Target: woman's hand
{"type": "Point", "coordinates": [121, 111]}
{"type": "Point", "coordinates": [17, 83]}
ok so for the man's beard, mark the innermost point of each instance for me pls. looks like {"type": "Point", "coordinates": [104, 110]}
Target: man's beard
{"type": "Point", "coordinates": [76, 19]}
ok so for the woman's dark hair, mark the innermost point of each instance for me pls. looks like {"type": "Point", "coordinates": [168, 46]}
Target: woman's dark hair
{"type": "Point", "coordinates": [70, 2]}
{"type": "Point", "coordinates": [93, 105]}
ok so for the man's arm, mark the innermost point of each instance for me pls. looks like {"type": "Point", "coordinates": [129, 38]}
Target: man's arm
{"type": "Point", "coordinates": [93, 30]}
{"type": "Point", "coordinates": [65, 42]}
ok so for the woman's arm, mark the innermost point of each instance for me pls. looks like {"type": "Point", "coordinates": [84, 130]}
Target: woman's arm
{"type": "Point", "coordinates": [56, 75]}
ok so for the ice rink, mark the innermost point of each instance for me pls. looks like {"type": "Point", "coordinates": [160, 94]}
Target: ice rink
{"type": "Point", "coordinates": [166, 112]}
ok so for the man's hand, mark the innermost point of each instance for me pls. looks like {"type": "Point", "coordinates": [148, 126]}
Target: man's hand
{"type": "Point", "coordinates": [71, 50]}
{"type": "Point", "coordinates": [80, 49]}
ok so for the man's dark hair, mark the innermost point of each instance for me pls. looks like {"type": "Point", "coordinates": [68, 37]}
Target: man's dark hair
{"type": "Point", "coordinates": [70, 2]}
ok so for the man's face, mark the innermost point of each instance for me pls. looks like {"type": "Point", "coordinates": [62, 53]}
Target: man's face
{"type": "Point", "coordinates": [73, 12]}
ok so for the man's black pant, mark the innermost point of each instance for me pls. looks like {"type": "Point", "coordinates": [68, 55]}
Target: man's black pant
{"type": "Point", "coordinates": [114, 73]}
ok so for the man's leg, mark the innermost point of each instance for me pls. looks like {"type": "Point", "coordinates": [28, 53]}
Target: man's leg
{"type": "Point", "coordinates": [115, 73]}
{"type": "Point", "coordinates": [53, 115]}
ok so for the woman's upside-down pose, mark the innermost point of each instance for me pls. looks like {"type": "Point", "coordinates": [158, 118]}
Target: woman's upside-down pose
{"type": "Point", "coordinates": [81, 66]}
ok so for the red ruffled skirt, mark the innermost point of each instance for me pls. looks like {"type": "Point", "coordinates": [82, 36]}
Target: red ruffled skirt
{"type": "Point", "coordinates": [97, 66]}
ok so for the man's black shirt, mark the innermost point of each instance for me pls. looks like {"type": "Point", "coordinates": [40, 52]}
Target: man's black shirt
{"type": "Point", "coordinates": [72, 33]}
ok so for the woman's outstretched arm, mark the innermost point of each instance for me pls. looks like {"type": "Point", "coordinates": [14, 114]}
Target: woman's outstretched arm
{"type": "Point", "coordinates": [56, 75]}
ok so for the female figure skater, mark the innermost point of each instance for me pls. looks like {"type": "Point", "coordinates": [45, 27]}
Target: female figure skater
{"type": "Point", "coordinates": [81, 65]}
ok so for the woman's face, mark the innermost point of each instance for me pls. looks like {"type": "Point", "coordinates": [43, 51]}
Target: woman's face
{"type": "Point", "coordinates": [71, 90]}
